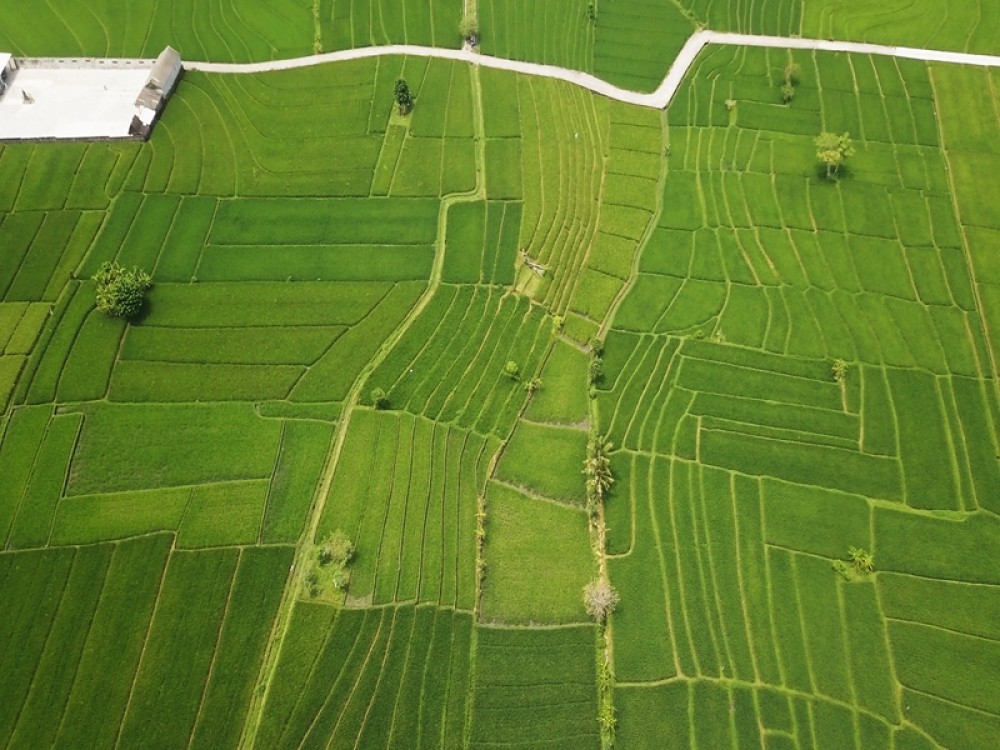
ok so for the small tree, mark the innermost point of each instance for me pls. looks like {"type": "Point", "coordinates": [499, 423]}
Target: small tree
{"type": "Point", "coordinates": [379, 400]}
{"type": "Point", "coordinates": [790, 79]}
{"type": "Point", "coordinates": [839, 370]}
{"type": "Point", "coordinates": [600, 598]}
{"type": "Point", "coordinates": [832, 150]}
{"type": "Point", "coordinates": [512, 370]}
{"type": "Point", "coordinates": [403, 96]}
{"type": "Point", "coordinates": [120, 291]}
{"type": "Point", "coordinates": [862, 561]}
{"type": "Point", "coordinates": [469, 28]}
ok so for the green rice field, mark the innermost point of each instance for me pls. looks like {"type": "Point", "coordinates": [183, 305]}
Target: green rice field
{"type": "Point", "coordinates": [411, 330]}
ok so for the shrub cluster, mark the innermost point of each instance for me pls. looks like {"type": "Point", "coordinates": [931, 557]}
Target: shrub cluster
{"type": "Point", "coordinates": [121, 291]}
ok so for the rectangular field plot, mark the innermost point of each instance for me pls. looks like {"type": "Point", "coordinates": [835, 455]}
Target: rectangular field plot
{"type": "Point", "coordinates": [535, 686]}
{"type": "Point", "coordinates": [388, 677]}
{"type": "Point", "coordinates": [547, 460]}
{"type": "Point", "coordinates": [327, 144]}
{"type": "Point", "coordinates": [125, 447]}
{"type": "Point", "coordinates": [525, 535]}
{"type": "Point", "coordinates": [406, 492]}
{"type": "Point", "coordinates": [481, 244]}
{"type": "Point", "coordinates": [556, 33]}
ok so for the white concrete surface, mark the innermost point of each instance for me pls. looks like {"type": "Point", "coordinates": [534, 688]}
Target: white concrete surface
{"type": "Point", "coordinates": [659, 99]}
{"type": "Point", "coordinates": [89, 102]}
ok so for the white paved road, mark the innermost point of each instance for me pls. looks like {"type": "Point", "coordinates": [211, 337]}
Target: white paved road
{"type": "Point", "coordinates": [658, 99]}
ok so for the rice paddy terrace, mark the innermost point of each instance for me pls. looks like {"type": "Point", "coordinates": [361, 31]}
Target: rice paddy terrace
{"type": "Point", "coordinates": [410, 329]}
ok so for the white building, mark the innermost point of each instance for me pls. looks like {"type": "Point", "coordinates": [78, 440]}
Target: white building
{"type": "Point", "coordinates": [84, 98]}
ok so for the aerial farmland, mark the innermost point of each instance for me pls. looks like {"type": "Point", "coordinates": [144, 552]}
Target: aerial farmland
{"type": "Point", "coordinates": [501, 375]}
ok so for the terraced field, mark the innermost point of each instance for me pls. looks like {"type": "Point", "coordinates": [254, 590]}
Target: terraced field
{"type": "Point", "coordinates": [409, 330]}
{"type": "Point", "coordinates": [747, 468]}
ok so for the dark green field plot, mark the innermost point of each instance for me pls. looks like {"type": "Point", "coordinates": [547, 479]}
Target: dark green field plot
{"type": "Point", "coordinates": [388, 677]}
{"type": "Point", "coordinates": [167, 676]}
{"type": "Point", "coordinates": [534, 688]}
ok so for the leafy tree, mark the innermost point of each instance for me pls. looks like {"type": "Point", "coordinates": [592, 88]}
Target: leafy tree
{"type": "Point", "coordinates": [379, 400]}
{"type": "Point", "coordinates": [832, 150]}
{"type": "Point", "coordinates": [512, 370]}
{"type": "Point", "coordinates": [600, 598]}
{"type": "Point", "coordinates": [469, 28]}
{"type": "Point", "coordinates": [121, 291]}
{"type": "Point", "coordinates": [336, 549]}
{"type": "Point", "coordinates": [403, 96]}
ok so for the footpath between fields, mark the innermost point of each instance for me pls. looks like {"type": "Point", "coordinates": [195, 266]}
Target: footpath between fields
{"type": "Point", "coordinates": [658, 99]}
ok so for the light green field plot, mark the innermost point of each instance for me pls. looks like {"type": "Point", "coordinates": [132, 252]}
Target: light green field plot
{"type": "Point", "coordinates": [239, 31]}
{"type": "Point", "coordinates": [406, 492]}
{"type": "Point", "coordinates": [525, 536]}
{"type": "Point", "coordinates": [963, 25]}
{"type": "Point", "coordinates": [627, 42]}
{"type": "Point", "coordinates": [546, 460]}
{"type": "Point", "coordinates": [346, 24]}
{"type": "Point", "coordinates": [561, 397]}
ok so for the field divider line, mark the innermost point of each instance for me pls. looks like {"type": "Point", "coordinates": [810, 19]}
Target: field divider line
{"type": "Point", "coordinates": [300, 564]}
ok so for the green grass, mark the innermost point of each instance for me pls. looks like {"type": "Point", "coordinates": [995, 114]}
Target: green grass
{"type": "Point", "coordinates": [126, 447]}
{"type": "Point", "coordinates": [525, 535]}
{"type": "Point", "coordinates": [546, 460]}
{"type": "Point", "coordinates": [561, 397]}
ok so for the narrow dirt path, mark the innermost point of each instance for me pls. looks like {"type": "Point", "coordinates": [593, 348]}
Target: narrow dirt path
{"type": "Point", "coordinates": [658, 99]}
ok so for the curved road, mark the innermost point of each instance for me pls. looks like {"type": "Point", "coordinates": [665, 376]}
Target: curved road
{"type": "Point", "coordinates": [658, 99]}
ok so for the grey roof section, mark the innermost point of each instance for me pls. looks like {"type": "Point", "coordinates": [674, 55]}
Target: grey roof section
{"type": "Point", "coordinates": [161, 81]}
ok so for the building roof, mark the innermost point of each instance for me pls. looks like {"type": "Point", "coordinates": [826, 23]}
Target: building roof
{"type": "Point", "coordinates": [165, 70]}
{"type": "Point", "coordinates": [4, 59]}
